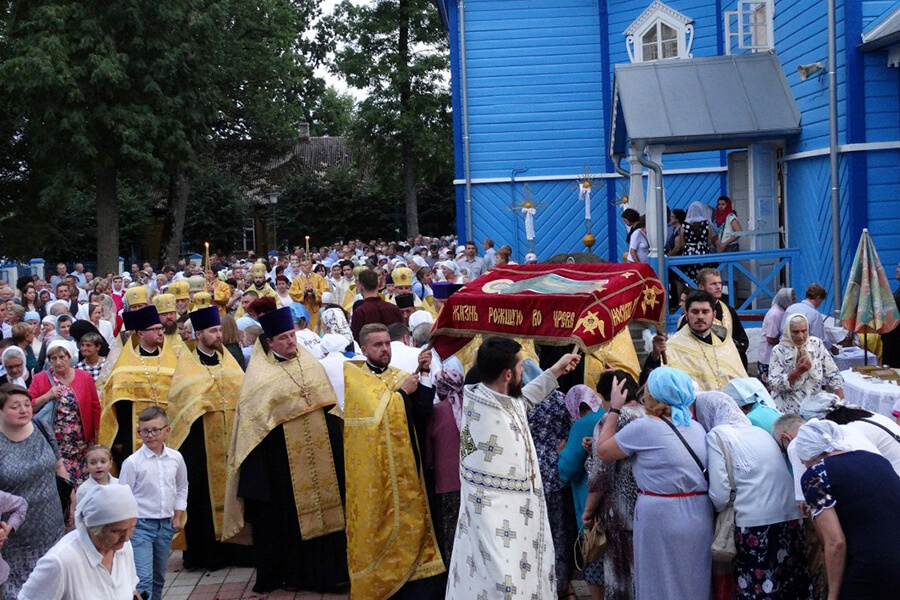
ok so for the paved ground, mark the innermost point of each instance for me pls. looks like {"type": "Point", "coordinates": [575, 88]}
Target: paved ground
{"type": "Point", "coordinates": [237, 584]}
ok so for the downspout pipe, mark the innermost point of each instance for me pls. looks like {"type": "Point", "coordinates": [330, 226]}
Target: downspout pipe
{"type": "Point", "coordinates": [464, 92]}
{"type": "Point", "coordinates": [616, 159]}
{"type": "Point", "coordinates": [661, 271]}
{"type": "Point", "coordinates": [833, 158]}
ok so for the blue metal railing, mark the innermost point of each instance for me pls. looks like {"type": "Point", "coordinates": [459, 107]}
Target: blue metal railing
{"type": "Point", "coordinates": [775, 263]}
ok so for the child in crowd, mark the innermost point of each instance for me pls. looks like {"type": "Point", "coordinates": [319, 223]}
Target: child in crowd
{"type": "Point", "coordinates": [249, 337]}
{"type": "Point", "coordinates": [91, 361]}
{"type": "Point", "coordinates": [98, 460]}
{"type": "Point", "coordinates": [157, 476]}
{"type": "Point", "coordinates": [12, 515]}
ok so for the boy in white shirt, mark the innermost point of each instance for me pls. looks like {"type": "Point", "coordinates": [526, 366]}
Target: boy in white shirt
{"type": "Point", "coordinates": [157, 477]}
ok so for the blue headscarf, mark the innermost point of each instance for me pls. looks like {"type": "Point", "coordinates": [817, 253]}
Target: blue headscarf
{"type": "Point", "coordinates": [673, 387]}
{"type": "Point", "coordinates": [298, 311]}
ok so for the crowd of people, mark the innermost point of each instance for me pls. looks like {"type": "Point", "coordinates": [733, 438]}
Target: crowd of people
{"type": "Point", "coordinates": [289, 415]}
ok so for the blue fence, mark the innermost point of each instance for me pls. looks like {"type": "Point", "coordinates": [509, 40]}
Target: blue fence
{"type": "Point", "coordinates": [751, 278]}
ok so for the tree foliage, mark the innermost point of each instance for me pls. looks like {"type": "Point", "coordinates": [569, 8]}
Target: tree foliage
{"type": "Point", "coordinates": [110, 91]}
{"type": "Point", "coordinates": [397, 51]}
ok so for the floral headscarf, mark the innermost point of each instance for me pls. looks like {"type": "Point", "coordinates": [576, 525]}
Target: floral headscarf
{"type": "Point", "coordinates": [449, 387]}
{"type": "Point", "coordinates": [581, 394]}
{"type": "Point", "coordinates": [718, 411]}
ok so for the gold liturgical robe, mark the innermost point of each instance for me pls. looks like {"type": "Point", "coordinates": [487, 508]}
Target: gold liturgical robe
{"type": "Point", "coordinates": [221, 295]}
{"type": "Point", "coordinates": [141, 380]}
{"type": "Point", "coordinates": [389, 535]}
{"type": "Point", "coordinates": [619, 353]}
{"type": "Point", "coordinates": [712, 366]}
{"type": "Point", "coordinates": [295, 394]}
{"type": "Point", "coordinates": [210, 393]}
{"type": "Point", "coordinates": [313, 302]}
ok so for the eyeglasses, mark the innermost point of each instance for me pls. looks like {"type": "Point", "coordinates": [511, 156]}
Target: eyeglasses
{"type": "Point", "coordinates": [152, 432]}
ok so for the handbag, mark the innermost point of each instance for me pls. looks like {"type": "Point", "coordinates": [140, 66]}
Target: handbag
{"type": "Point", "coordinates": [723, 546]}
{"type": "Point", "coordinates": [64, 487]}
{"type": "Point", "coordinates": [46, 417]}
{"type": "Point", "coordinates": [590, 544]}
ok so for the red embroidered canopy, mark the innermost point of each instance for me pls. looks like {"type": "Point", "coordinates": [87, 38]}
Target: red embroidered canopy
{"type": "Point", "coordinates": [584, 304]}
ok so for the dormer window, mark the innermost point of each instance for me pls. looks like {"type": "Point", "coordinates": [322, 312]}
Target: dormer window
{"type": "Point", "coordinates": [660, 33]}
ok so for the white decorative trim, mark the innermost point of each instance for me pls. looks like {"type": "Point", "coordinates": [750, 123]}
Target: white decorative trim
{"type": "Point", "coordinates": [867, 147]}
{"type": "Point", "coordinates": [539, 178]}
{"type": "Point", "coordinates": [657, 13]}
{"type": "Point", "coordinates": [655, 10]}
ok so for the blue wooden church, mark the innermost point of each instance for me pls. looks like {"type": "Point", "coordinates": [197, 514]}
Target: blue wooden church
{"type": "Point", "coordinates": [760, 100]}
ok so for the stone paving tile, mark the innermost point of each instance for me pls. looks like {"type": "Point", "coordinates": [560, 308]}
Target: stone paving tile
{"type": "Point", "coordinates": [237, 584]}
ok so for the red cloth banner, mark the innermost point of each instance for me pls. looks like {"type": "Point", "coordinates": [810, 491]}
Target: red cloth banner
{"type": "Point", "coordinates": [584, 304]}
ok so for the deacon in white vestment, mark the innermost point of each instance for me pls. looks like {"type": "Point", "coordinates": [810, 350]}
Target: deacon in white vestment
{"type": "Point", "coordinates": [503, 548]}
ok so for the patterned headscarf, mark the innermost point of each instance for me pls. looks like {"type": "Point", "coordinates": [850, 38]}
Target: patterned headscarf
{"type": "Point", "coordinates": [718, 411]}
{"type": "Point", "coordinates": [449, 387]}
{"type": "Point", "coordinates": [335, 321]}
{"type": "Point", "coordinates": [784, 297]}
{"type": "Point", "coordinates": [577, 395]}
{"type": "Point", "coordinates": [786, 340]}
{"type": "Point", "coordinates": [673, 387]}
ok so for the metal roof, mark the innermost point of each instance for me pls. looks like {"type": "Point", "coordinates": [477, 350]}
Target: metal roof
{"type": "Point", "coordinates": [883, 32]}
{"type": "Point", "coordinates": [699, 104]}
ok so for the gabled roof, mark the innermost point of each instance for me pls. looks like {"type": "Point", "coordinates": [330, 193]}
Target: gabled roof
{"type": "Point", "coordinates": [653, 10]}
{"type": "Point", "coordinates": [883, 31]}
{"type": "Point", "coordinates": [699, 104]}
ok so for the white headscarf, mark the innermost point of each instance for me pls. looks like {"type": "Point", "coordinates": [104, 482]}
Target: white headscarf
{"type": "Point", "coordinates": [67, 345]}
{"type": "Point", "coordinates": [419, 317]}
{"type": "Point", "coordinates": [697, 213]}
{"type": "Point", "coordinates": [14, 352]}
{"type": "Point", "coordinates": [717, 411]}
{"type": "Point", "coordinates": [105, 504]}
{"type": "Point", "coordinates": [816, 437]}
{"type": "Point", "coordinates": [784, 298]}
{"type": "Point", "coordinates": [333, 342]}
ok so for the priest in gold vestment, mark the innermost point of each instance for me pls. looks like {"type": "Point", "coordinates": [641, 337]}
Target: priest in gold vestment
{"type": "Point", "coordinates": [140, 378]}
{"type": "Point", "coordinates": [166, 306]}
{"type": "Point", "coordinates": [703, 350]}
{"type": "Point", "coordinates": [286, 467]}
{"type": "Point", "coordinates": [307, 288]}
{"type": "Point", "coordinates": [202, 402]}
{"type": "Point", "coordinates": [392, 550]}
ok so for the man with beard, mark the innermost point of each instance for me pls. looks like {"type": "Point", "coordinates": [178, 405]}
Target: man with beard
{"type": "Point", "coordinates": [202, 400]}
{"type": "Point", "coordinates": [705, 353]}
{"type": "Point", "coordinates": [710, 280]}
{"type": "Point", "coordinates": [180, 290]}
{"type": "Point", "coordinates": [140, 378]}
{"type": "Point", "coordinates": [386, 488]}
{"type": "Point", "coordinates": [307, 288]}
{"type": "Point", "coordinates": [286, 465]}
{"type": "Point", "coordinates": [503, 547]}
{"type": "Point", "coordinates": [260, 286]}
{"type": "Point", "coordinates": [168, 315]}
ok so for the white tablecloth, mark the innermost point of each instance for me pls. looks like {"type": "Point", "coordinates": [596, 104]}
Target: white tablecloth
{"type": "Point", "coordinates": [874, 395]}
{"type": "Point", "coordinates": [853, 357]}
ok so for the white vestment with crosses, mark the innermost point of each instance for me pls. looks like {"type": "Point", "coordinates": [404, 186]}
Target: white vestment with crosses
{"type": "Point", "coordinates": [503, 548]}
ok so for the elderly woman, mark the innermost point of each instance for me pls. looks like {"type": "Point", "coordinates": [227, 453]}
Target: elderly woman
{"type": "Point", "coordinates": [771, 546]}
{"type": "Point", "coordinates": [28, 469]}
{"type": "Point", "coordinates": [14, 361]}
{"type": "Point", "coordinates": [673, 518]}
{"type": "Point", "coordinates": [75, 413]}
{"type": "Point", "coordinates": [771, 329]}
{"type": "Point", "coordinates": [801, 366]}
{"type": "Point", "coordinates": [96, 560]}
{"type": "Point", "coordinates": [613, 492]}
{"type": "Point", "coordinates": [852, 496]}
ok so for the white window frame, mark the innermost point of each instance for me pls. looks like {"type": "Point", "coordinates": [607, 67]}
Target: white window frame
{"type": "Point", "coordinates": [651, 18]}
{"type": "Point", "coordinates": [745, 25]}
{"type": "Point", "coordinates": [249, 234]}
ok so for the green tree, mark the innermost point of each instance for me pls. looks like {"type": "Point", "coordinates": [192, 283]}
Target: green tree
{"type": "Point", "coordinates": [215, 212]}
{"type": "Point", "coordinates": [397, 51]}
{"type": "Point", "coordinates": [112, 90]}
{"type": "Point", "coordinates": [334, 114]}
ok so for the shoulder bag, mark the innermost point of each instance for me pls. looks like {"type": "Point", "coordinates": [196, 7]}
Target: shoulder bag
{"type": "Point", "coordinates": [46, 416]}
{"type": "Point", "coordinates": [590, 543]}
{"type": "Point", "coordinates": [880, 426]}
{"type": "Point", "coordinates": [723, 546]}
{"type": "Point", "coordinates": [689, 449]}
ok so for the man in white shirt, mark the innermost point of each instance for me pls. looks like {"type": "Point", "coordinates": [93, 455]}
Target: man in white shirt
{"type": "Point", "coordinates": [471, 261]}
{"type": "Point", "coordinates": [403, 355]}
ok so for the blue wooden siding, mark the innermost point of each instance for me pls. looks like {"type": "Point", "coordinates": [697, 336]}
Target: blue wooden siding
{"type": "Point", "coordinates": [558, 223]}
{"type": "Point", "coordinates": [535, 91]}
{"type": "Point", "coordinates": [874, 10]}
{"type": "Point", "coordinates": [884, 205]}
{"type": "Point", "coordinates": [809, 223]}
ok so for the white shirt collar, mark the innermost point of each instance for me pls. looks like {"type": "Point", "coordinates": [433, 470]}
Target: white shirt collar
{"type": "Point", "coordinates": [93, 555]}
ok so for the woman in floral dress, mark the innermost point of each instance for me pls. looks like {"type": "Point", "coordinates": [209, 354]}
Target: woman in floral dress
{"type": "Point", "coordinates": [801, 366]}
{"type": "Point", "coordinates": [612, 494]}
{"type": "Point", "coordinates": [75, 417]}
